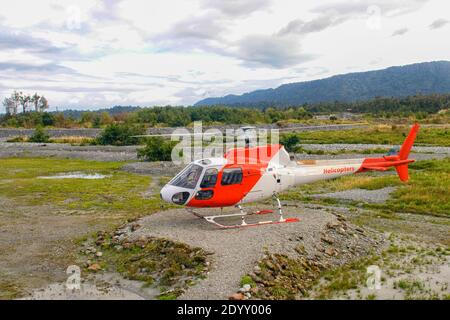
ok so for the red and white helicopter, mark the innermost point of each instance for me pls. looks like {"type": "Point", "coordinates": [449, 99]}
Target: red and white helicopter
{"type": "Point", "coordinates": [250, 174]}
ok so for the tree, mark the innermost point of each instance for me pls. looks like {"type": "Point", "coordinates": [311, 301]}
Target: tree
{"type": "Point", "coordinates": [120, 135]}
{"type": "Point", "coordinates": [43, 104]}
{"type": "Point", "coordinates": [8, 103]}
{"type": "Point", "coordinates": [290, 141]}
{"type": "Point", "coordinates": [24, 101]}
{"type": "Point", "coordinates": [35, 100]}
{"type": "Point", "coordinates": [39, 135]}
{"type": "Point", "coordinates": [157, 149]}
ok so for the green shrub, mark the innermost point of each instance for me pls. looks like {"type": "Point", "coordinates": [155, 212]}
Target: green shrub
{"type": "Point", "coordinates": [290, 141]}
{"type": "Point", "coordinates": [39, 135]}
{"type": "Point", "coordinates": [120, 135]}
{"type": "Point", "coordinates": [157, 149]}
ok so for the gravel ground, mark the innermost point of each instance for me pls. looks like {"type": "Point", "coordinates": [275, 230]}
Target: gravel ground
{"type": "Point", "coordinates": [128, 153]}
{"type": "Point", "coordinates": [6, 133]}
{"type": "Point", "coordinates": [62, 150]}
{"type": "Point", "coordinates": [159, 168]}
{"type": "Point", "coordinates": [236, 251]}
{"type": "Point", "coordinates": [373, 196]}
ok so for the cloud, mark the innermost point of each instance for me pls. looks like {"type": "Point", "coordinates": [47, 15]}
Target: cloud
{"type": "Point", "coordinates": [271, 51]}
{"type": "Point", "coordinates": [330, 15]}
{"type": "Point", "coordinates": [386, 7]}
{"type": "Point", "coordinates": [108, 10]}
{"type": "Point", "coordinates": [318, 24]}
{"type": "Point", "coordinates": [12, 39]}
{"type": "Point", "coordinates": [203, 27]}
{"type": "Point", "coordinates": [48, 68]}
{"type": "Point", "coordinates": [236, 8]}
{"type": "Point", "coordinates": [400, 32]}
{"type": "Point", "coordinates": [439, 23]}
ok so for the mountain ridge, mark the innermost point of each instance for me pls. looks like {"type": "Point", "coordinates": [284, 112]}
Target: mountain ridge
{"type": "Point", "coordinates": [397, 81]}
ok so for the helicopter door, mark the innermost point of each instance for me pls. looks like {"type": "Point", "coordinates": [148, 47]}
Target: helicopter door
{"type": "Point", "coordinates": [209, 181]}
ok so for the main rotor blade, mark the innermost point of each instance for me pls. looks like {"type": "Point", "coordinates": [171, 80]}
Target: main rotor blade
{"type": "Point", "coordinates": [173, 135]}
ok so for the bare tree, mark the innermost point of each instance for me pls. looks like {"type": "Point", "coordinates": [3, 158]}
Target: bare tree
{"type": "Point", "coordinates": [9, 105]}
{"type": "Point", "coordinates": [43, 104]}
{"type": "Point", "coordinates": [24, 101]}
{"type": "Point", "coordinates": [15, 97]}
{"type": "Point", "coordinates": [35, 98]}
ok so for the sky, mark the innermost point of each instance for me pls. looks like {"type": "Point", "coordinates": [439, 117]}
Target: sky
{"type": "Point", "coordinates": [90, 54]}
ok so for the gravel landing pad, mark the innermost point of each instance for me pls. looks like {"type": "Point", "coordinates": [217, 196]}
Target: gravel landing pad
{"type": "Point", "coordinates": [235, 252]}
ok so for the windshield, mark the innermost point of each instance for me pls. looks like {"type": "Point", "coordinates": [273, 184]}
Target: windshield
{"type": "Point", "coordinates": [188, 178]}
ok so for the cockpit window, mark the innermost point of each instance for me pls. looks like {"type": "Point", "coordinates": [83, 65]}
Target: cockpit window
{"type": "Point", "coordinates": [231, 176]}
{"type": "Point", "coordinates": [188, 178]}
{"type": "Point", "coordinates": [210, 178]}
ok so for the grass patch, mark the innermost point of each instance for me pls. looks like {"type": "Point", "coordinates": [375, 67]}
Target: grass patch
{"type": "Point", "coordinates": [347, 277]}
{"type": "Point", "coordinates": [247, 280]}
{"type": "Point", "coordinates": [343, 151]}
{"type": "Point", "coordinates": [120, 191]}
{"type": "Point", "coordinates": [9, 290]}
{"type": "Point", "coordinates": [380, 134]}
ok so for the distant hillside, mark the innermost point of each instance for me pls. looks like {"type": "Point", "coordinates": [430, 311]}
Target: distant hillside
{"type": "Point", "coordinates": [421, 78]}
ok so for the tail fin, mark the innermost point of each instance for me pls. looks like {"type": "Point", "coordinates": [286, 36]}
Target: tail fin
{"type": "Point", "coordinates": [409, 141]}
{"type": "Point", "coordinates": [399, 161]}
{"type": "Point", "coordinates": [402, 170]}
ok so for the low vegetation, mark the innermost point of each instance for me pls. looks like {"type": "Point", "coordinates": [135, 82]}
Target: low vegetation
{"type": "Point", "coordinates": [39, 135]}
{"type": "Point", "coordinates": [398, 263]}
{"type": "Point", "coordinates": [21, 179]}
{"type": "Point", "coordinates": [157, 149]}
{"type": "Point", "coordinates": [159, 263]}
{"type": "Point", "coordinates": [120, 135]}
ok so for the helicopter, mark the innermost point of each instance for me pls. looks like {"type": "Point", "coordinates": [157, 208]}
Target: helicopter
{"type": "Point", "coordinates": [250, 174]}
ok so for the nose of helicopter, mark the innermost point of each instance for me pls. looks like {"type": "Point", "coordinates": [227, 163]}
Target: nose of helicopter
{"type": "Point", "coordinates": [175, 195]}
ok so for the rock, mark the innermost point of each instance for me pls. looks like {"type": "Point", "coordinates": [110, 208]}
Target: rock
{"type": "Point", "coordinates": [359, 230]}
{"type": "Point", "coordinates": [91, 249]}
{"type": "Point", "coordinates": [236, 296]}
{"type": "Point", "coordinates": [94, 267]}
{"type": "Point", "coordinates": [99, 254]}
{"type": "Point", "coordinates": [257, 270]}
{"type": "Point", "coordinates": [246, 287]}
{"type": "Point", "coordinates": [247, 295]}
{"type": "Point", "coordinates": [327, 240]}
{"type": "Point", "coordinates": [333, 225]}
{"type": "Point", "coordinates": [127, 245]}
{"type": "Point", "coordinates": [270, 265]}
{"type": "Point", "coordinates": [135, 226]}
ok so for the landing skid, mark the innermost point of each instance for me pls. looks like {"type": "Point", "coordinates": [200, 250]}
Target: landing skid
{"type": "Point", "coordinates": [243, 214]}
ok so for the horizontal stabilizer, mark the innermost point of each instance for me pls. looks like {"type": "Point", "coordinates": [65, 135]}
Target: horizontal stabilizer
{"type": "Point", "coordinates": [375, 168]}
